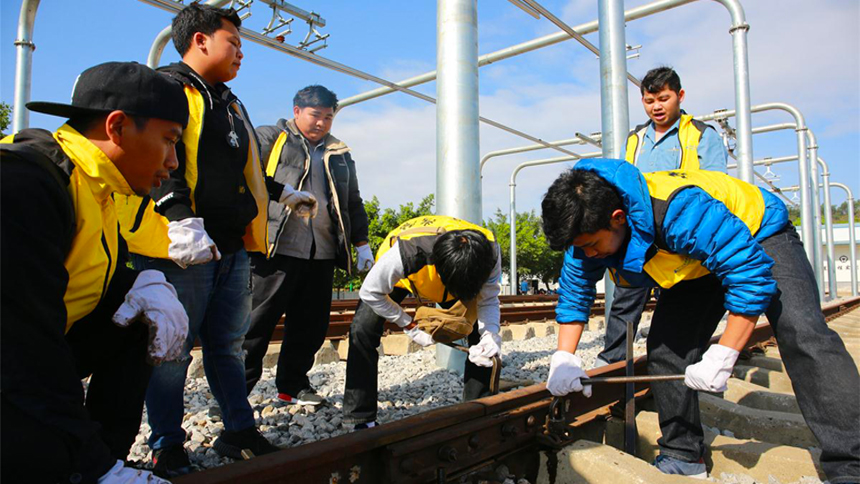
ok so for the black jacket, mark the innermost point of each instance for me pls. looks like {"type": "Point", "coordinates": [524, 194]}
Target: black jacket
{"type": "Point", "coordinates": [38, 220]}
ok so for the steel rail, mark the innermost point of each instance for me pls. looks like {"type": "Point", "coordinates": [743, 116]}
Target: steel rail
{"type": "Point", "coordinates": [445, 442]}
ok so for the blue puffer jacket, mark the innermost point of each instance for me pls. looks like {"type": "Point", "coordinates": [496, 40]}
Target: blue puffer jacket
{"type": "Point", "coordinates": [696, 225]}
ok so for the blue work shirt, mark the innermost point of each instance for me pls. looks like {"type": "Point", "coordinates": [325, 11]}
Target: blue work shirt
{"type": "Point", "coordinates": [665, 154]}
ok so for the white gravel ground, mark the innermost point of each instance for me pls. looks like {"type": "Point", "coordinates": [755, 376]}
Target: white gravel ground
{"type": "Point", "coordinates": [408, 385]}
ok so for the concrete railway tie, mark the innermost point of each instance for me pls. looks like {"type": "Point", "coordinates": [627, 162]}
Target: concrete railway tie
{"type": "Point", "coordinates": [753, 429]}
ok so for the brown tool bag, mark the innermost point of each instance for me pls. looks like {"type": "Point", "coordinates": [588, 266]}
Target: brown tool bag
{"type": "Point", "coordinates": [447, 325]}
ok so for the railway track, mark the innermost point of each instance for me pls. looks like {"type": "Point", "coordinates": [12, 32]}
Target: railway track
{"type": "Point", "coordinates": [465, 440]}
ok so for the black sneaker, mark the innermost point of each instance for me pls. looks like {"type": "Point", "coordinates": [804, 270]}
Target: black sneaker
{"type": "Point", "coordinates": [366, 425]}
{"type": "Point", "coordinates": [243, 444]}
{"type": "Point", "coordinates": [308, 396]}
{"type": "Point", "coordinates": [171, 462]}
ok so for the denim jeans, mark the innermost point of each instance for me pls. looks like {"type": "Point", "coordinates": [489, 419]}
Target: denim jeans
{"type": "Point", "coordinates": [823, 374]}
{"type": "Point", "coordinates": [217, 297]}
{"type": "Point", "coordinates": [365, 332]}
{"type": "Point", "coordinates": [627, 305]}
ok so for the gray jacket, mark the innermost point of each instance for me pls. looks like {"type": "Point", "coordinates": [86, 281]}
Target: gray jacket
{"type": "Point", "coordinates": [291, 167]}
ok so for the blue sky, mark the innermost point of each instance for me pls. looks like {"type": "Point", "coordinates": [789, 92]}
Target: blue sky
{"type": "Point", "coordinates": [803, 53]}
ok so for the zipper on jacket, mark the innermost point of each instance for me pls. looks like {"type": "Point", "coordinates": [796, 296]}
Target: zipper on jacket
{"type": "Point", "coordinates": [110, 262]}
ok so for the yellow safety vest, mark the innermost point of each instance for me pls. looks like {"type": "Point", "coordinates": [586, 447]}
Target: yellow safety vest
{"type": "Point", "coordinates": [689, 134]}
{"type": "Point", "coordinates": [145, 230]}
{"type": "Point", "coordinates": [92, 258]}
{"type": "Point", "coordinates": [742, 199]}
{"type": "Point", "coordinates": [419, 234]}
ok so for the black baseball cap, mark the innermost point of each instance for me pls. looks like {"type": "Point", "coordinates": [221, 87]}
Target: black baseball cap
{"type": "Point", "coordinates": [130, 87]}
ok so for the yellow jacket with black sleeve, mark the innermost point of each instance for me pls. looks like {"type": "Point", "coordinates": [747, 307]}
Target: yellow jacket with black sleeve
{"type": "Point", "coordinates": [219, 178]}
{"type": "Point", "coordinates": [410, 266]}
{"type": "Point", "coordinates": [63, 264]}
{"type": "Point", "coordinates": [682, 225]}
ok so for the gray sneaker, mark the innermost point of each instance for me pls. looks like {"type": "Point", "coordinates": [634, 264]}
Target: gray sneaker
{"type": "Point", "coordinates": [670, 465]}
{"type": "Point", "coordinates": [308, 396]}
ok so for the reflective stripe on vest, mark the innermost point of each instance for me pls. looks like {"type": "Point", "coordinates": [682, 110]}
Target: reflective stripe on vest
{"type": "Point", "coordinates": [426, 280]}
{"type": "Point", "coordinates": [743, 200]}
{"type": "Point", "coordinates": [689, 134]}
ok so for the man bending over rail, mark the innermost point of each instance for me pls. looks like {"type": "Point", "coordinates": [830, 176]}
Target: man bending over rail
{"type": "Point", "coordinates": [64, 279]}
{"type": "Point", "coordinates": [713, 243]}
{"type": "Point", "coordinates": [440, 259]}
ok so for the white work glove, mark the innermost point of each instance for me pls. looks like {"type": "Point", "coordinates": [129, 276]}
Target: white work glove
{"type": "Point", "coordinates": [189, 243]}
{"type": "Point", "coordinates": [566, 375]}
{"type": "Point", "coordinates": [423, 338]}
{"type": "Point", "coordinates": [154, 300]}
{"type": "Point", "coordinates": [482, 353]}
{"type": "Point", "coordinates": [365, 257]}
{"type": "Point", "coordinates": [713, 372]}
{"type": "Point", "coordinates": [119, 474]}
{"type": "Point", "coordinates": [303, 204]}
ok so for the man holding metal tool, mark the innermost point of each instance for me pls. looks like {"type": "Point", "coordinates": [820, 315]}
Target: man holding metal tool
{"type": "Point", "coordinates": [310, 168]}
{"type": "Point", "coordinates": [714, 244]}
{"type": "Point", "coordinates": [71, 308]}
{"type": "Point", "coordinates": [670, 140]}
{"type": "Point", "coordinates": [198, 229]}
{"type": "Point", "coordinates": [438, 259]}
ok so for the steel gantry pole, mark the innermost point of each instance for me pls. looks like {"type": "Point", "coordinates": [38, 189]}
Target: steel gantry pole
{"type": "Point", "coordinates": [513, 206]}
{"type": "Point", "coordinates": [458, 180]}
{"type": "Point", "coordinates": [812, 151]}
{"type": "Point", "coordinates": [828, 226]}
{"type": "Point", "coordinates": [852, 250]}
{"type": "Point", "coordinates": [740, 56]}
{"type": "Point", "coordinates": [24, 47]}
{"type": "Point", "coordinates": [803, 168]}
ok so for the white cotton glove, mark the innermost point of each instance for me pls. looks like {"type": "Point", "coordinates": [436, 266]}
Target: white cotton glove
{"type": "Point", "coordinates": [365, 257]}
{"type": "Point", "coordinates": [713, 372]}
{"type": "Point", "coordinates": [119, 474]}
{"type": "Point", "coordinates": [154, 300]}
{"type": "Point", "coordinates": [189, 243]}
{"type": "Point", "coordinates": [482, 353]}
{"type": "Point", "coordinates": [304, 204]}
{"type": "Point", "coordinates": [423, 338]}
{"type": "Point", "coordinates": [566, 375]}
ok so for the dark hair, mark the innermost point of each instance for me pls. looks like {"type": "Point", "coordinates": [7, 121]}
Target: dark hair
{"type": "Point", "coordinates": [85, 123]}
{"type": "Point", "coordinates": [199, 18]}
{"type": "Point", "coordinates": [464, 260]}
{"type": "Point", "coordinates": [315, 96]}
{"type": "Point", "coordinates": [578, 202]}
{"type": "Point", "coordinates": [658, 78]}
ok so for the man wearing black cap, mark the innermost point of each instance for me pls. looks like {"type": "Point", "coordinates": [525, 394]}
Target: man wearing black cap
{"type": "Point", "coordinates": [71, 309]}
{"type": "Point", "coordinates": [198, 229]}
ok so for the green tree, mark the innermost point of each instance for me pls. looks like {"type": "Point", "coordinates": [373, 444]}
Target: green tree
{"type": "Point", "coordinates": [5, 111]}
{"type": "Point", "coordinates": [534, 257]}
{"type": "Point", "coordinates": [380, 223]}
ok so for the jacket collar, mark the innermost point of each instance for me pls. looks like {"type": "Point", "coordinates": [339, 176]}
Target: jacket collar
{"type": "Point", "coordinates": [630, 183]}
{"type": "Point", "coordinates": [330, 142]}
{"type": "Point", "coordinates": [102, 175]}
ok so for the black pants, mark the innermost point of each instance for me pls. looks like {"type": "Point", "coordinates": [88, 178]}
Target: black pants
{"type": "Point", "coordinates": [627, 305]}
{"type": "Point", "coordinates": [114, 359]}
{"type": "Point", "coordinates": [301, 288]}
{"type": "Point", "coordinates": [362, 388]}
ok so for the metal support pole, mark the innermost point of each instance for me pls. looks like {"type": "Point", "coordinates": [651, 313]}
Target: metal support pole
{"type": "Point", "coordinates": [740, 57]}
{"type": "Point", "coordinates": [615, 125]}
{"type": "Point", "coordinates": [852, 249]}
{"type": "Point", "coordinates": [458, 180]}
{"type": "Point", "coordinates": [828, 227]}
{"type": "Point", "coordinates": [816, 211]}
{"type": "Point", "coordinates": [24, 47]}
{"type": "Point", "coordinates": [513, 206]}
